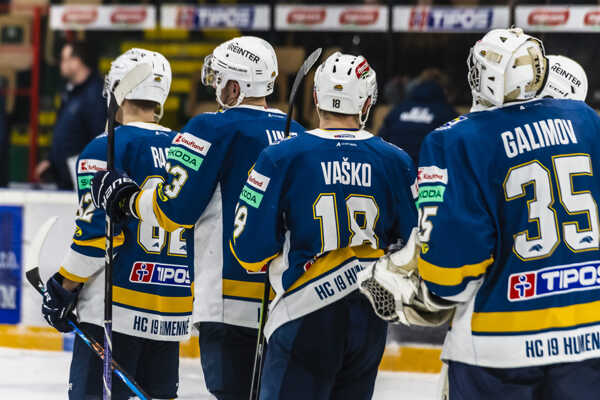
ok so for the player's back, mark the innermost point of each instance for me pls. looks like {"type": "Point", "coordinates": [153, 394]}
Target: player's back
{"type": "Point", "coordinates": [526, 175]}
{"type": "Point", "coordinates": [234, 139]}
{"type": "Point", "coordinates": [344, 196]}
{"type": "Point", "coordinates": [151, 278]}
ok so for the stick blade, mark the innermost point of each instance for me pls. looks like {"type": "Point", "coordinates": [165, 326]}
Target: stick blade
{"type": "Point", "coordinates": [35, 247]}
{"type": "Point", "coordinates": [131, 80]}
{"type": "Point", "coordinates": [311, 60]}
{"type": "Point", "coordinates": [33, 277]}
{"type": "Point", "coordinates": [303, 71]}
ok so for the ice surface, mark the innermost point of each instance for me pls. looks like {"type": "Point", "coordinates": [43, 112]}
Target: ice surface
{"type": "Point", "coordinates": [43, 375]}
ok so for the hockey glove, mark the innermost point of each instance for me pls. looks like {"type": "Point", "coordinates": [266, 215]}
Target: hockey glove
{"type": "Point", "coordinates": [112, 191]}
{"type": "Point", "coordinates": [58, 303]}
{"type": "Point", "coordinates": [398, 294]}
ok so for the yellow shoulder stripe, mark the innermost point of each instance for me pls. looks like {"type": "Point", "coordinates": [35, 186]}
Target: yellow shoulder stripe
{"type": "Point", "coordinates": [534, 320]}
{"type": "Point", "coordinates": [152, 302]}
{"type": "Point", "coordinates": [165, 222]}
{"type": "Point", "coordinates": [72, 277]}
{"type": "Point", "coordinates": [249, 290]}
{"type": "Point", "coordinates": [334, 259]}
{"type": "Point", "coordinates": [100, 242]}
{"type": "Point", "coordinates": [451, 276]}
{"type": "Point", "coordinates": [251, 266]}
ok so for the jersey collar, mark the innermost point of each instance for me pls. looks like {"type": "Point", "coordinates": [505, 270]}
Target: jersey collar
{"type": "Point", "coordinates": [512, 103]}
{"type": "Point", "coordinates": [344, 134]}
{"type": "Point", "coordinates": [259, 108]}
{"type": "Point", "coordinates": [149, 126]}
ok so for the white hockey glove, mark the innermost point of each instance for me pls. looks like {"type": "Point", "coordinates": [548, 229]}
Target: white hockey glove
{"type": "Point", "coordinates": [398, 294]}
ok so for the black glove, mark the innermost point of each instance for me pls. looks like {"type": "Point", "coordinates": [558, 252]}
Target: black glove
{"type": "Point", "coordinates": [112, 190]}
{"type": "Point", "coordinates": [58, 303]}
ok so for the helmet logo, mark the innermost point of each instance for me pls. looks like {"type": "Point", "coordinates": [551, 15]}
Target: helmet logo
{"type": "Point", "coordinates": [157, 78]}
{"type": "Point", "coordinates": [234, 48]}
{"type": "Point", "coordinates": [338, 87]}
{"type": "Point", "coordinates": [362, 69]}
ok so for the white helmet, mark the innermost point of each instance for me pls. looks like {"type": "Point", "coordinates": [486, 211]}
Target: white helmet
{"type": "Point", "coordinates": [343, 83]}
{"type": "Point", "coordinates": [506, 65]}
{"type": "Point", "coordinates": [154, 88]}
{"type": "Point", "coordinates": [566, 79]}
{"type": "Point", "coordinates": [248, 60]}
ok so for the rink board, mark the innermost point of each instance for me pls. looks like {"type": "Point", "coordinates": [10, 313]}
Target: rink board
{"type": "Point", "coordinates": [396, 358]}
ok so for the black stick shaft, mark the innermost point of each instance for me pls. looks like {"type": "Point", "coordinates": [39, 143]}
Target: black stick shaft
{"type": "Point", "coordinates": [108, 262]}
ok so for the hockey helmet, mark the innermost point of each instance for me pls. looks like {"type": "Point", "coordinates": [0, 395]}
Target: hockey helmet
{"type": "Point", "coordinates": [343, 83]}
{"type": "Point", "coordinates": [566, 79]}
{"type": "Point", "coordinates": [154, 88]}
{"type": "Point", "coordinates": [248, 60]}
{"type": "Point", "coordinates": [506, 65]}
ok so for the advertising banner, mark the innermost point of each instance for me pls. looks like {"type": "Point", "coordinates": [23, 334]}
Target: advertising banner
{"type": "Point", "coordinates": [331, 18]}
{"type": "Point", "coordinates": [243, 17]}
{"type": "Point", "coordinates": [11, 239]}
{"type": "Point", "coordinates": [449, 19]}
{"type": "Point", "coordinates": [93, 17]}
{"type": "Point", "coordinates": [558, 18]}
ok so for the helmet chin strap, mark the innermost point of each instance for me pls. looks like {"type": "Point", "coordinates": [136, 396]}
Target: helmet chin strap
{"type": "Point", "coordinates": [363, 121]}
{"type": "Point", "coordinates": [158, 115]}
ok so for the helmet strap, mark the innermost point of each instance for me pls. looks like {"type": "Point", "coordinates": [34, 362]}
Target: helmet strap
{"type": "Point", "coordinates": [364, 117]}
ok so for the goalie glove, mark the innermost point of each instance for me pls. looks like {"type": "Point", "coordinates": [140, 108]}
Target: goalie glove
{"type": "Point", "coordinates": [398, 294]}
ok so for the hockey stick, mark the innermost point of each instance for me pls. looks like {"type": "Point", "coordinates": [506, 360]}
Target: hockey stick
{"type": "Point", "coordinates": [264, 309]}
{"type": "Point", "coordinates": [130, 81]}
{"type": "Point", "coordinates": [33, 277]}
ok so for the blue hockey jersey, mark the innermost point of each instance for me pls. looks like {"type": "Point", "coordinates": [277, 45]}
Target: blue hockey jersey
{"type": "Point", "coordinates": [208, 165]}
{"type": "Point", "coordinates": [152, 295]}
{"type": "Point", "coordinates": [509, 225]}
{"type": "Point", "coordinates": [319, 207]}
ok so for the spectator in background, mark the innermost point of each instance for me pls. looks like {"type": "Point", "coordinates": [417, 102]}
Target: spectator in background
{"type": "Point", "coordinates": [81, 117]}
{"type": "Point", "coordinates": [424, 109]}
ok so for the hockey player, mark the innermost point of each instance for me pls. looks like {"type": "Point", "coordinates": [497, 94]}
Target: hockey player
{"type": "Point", "coordinates": [209, 163]}
{"type": "Point", "coordinates": [320, 207]}
{"type": "Point", "coordinates": [152, 297]}
{"type": "Point", "coordinates": [509, 234]}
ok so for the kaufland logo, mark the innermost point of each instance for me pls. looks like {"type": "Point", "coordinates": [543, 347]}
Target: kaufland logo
{"type": "Point", "coordinates": [359, 17]}
{"type": "Point", "coordinates": [192, 142]}
{"type": "Point", "coordinates": [128, 16]}
{"type": "Point", "coordinates": [432, 174]}
{"type": "Point", "coordinates": [592, 18]}
{"type": "Point", "coordinates": [81, 16]}
{"type": "Point", "coordinates": [548, 17]}
{"type": "Point", "coordinates": [306, 16]}
{"type": "Point", "coordinates": [90, 165]}
{"type": "Point", "coordinates": [258, 180]}
{"type": "Point", "coordinates": [554, 281]}
{"type": "Point", "coordinates": [159, 274]}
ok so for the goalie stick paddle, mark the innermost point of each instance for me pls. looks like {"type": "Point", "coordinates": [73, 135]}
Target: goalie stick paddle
{"type": "Point", "coordinates": [33, 277]}
{"type": "Point", "coordinates": [130, 81]}
{"type": "Point", "coordinates": [260, 342]}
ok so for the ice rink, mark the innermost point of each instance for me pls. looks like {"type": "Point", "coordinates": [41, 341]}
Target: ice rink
{"type": "Point", "coordinates": [42, 375]}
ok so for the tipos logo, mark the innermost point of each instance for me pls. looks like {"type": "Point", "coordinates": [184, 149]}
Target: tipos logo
{"type": "Point", "coordinates": [554, 281]}
{"type": "Point", "coordinates": [159, 274]}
